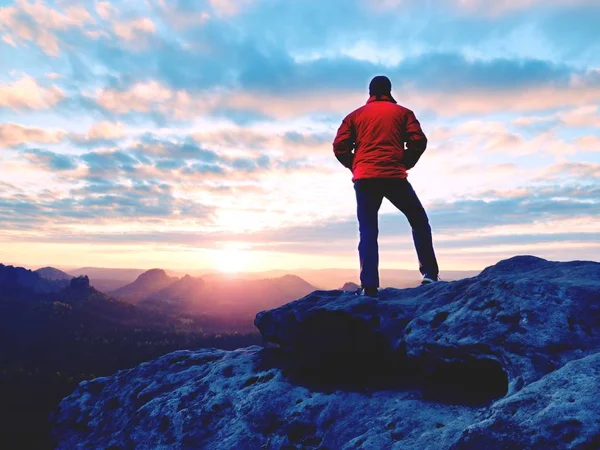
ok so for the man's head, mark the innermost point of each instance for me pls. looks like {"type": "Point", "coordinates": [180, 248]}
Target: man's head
{"type": "Point", "coordinates": [381, 85]}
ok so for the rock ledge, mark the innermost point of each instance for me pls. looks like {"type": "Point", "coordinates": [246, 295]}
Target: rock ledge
{"type": "Point", "coordinates": [507, 359]}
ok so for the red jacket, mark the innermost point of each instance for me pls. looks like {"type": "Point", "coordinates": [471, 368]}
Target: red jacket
{"type": "Point", "coordinates": [377, 133]}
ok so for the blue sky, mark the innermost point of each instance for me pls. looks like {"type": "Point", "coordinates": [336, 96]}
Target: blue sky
{"type": "Point", "coordinates": [190, 134]}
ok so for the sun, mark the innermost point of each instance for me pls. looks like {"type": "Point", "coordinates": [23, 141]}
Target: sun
{"type": "Point", "coordinates": [231, 260]}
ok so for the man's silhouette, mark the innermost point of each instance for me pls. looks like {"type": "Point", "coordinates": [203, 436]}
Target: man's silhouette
{"type": "Point", "coordinates": [387, 140]}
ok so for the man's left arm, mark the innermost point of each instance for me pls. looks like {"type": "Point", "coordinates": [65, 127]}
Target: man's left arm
{"type": "Point", "coordinates": [344, 142]}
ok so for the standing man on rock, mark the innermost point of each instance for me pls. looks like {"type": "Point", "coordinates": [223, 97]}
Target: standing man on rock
{"type": "Point", "coordinates": [387, 140]}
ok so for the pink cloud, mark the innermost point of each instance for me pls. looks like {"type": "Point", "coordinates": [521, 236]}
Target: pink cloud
{"type": "Point", "coordinates": [229, 7]}
{"type": "Point", "coordinates": [480, 7]}
{"type": "Point", "coordinates": [12, 134]}
{"type": "Point", "coordinates": [73, 16]}
{"type": "Point", "coordinates": [301, 143]}
{"type": "Point", "coordinates": [445, 103]}
{"type": "Point", "coordinates": [584, 116]}
{"type": "Point", "coordinates": [575, 170]}
{"type": "Point", "coordinates": [484, 102]}
{"type": "Point", "coordinates": [26, 93]}
{"type": "Point", "coordinates": [499, 7]}
{"type": "Point", "coordinates": [134, 29]}
{"type": "Point", "coordinates": [9, 40]}
{"type": "Point", "coordinates": [590, 143]}
{"type": "Point", "coordinates": [101, 131]}
{"type": "Point", "coordinates": [36, 22]}
{"type": "Point", "coordinates": [154, 96]}
{"type": "Point", "coordinates": [181, 19]}
{"type": "Point", "coordinates": [105, 9]}
{"type": "Point", "coordinates": [106, 130]}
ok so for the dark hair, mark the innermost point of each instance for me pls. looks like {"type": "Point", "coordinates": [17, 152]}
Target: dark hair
{"type": "Point", "coordinates": [380, 85]}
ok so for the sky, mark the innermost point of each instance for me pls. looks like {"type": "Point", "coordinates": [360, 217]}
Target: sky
{"type": "Point", "coordinates": [197, 134]}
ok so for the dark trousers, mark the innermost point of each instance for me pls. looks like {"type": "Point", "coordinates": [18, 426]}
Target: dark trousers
{"type": "Point", "coordinates": [369, 195]}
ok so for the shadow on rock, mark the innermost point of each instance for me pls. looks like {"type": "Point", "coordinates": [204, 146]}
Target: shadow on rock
{"type": "Point", "coordinates": [337, 351]}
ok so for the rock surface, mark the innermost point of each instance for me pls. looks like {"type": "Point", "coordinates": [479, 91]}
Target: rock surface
{"type": "Point", "coordinates": [507, 359]}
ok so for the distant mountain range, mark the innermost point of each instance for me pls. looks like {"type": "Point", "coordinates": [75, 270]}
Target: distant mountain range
{"type": "Point", "coordinates": [111, 280]}
{"type": "Point", "coordinates": [214, 297]}
{"type": "Point", "coordinates": [155, 299]}
{"type": "Point", "coordinates": [108, 280]}
{"type": "Point", "coordinates": [329, 279]}
{"type": "Point", "coordinates": [220, 296]}
{"type": "Point", "coordinates": [26, 297]}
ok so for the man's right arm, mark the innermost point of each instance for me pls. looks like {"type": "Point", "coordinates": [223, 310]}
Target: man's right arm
{"type": "Point", "coordinates": [344, 142]}
{"type": "Point", "coordinates": [416, 141]}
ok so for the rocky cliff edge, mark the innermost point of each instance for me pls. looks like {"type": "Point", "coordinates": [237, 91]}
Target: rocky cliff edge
{"type": "Point", "coordinates": [507, 359]}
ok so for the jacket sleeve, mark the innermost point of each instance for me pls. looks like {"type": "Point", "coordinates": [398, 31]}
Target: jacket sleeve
{"type": "Point", "coordinates": [344, 142]}
{"type": "Point", "coordinates": [416, 141]}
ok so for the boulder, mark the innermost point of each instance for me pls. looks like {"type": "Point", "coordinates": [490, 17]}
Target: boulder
{"type": "Point", "coordinates": [523, 317]}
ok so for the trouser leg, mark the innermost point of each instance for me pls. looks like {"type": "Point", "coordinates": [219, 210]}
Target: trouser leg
{"type": "Point", "coordinates": [368, 202]}
{"type": "Point", "coordinates": [402, 195]}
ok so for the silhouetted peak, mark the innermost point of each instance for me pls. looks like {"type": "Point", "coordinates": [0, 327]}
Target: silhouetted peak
{"type": "Point", "coordinates": [190, 278]}
{"type": "Point", "coordinates": [27, 279]}
{"type": "Point", "coordinates": [52, 273]}
{"type": "Point", "coordinates": [153, 275]}
{"type": "Point", "coordinates": [289, 276]}
{"type": "Point", "coordinates": [81, 282]}
{"type": "Point", "coordinates": [349, 286]}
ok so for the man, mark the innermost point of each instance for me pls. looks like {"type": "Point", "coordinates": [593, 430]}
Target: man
{"type": "Point", "coordinates": [387, 140]}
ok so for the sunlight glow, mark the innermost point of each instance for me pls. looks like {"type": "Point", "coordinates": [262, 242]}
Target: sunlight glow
{"type": "Point", "coordinates": [232, 260]}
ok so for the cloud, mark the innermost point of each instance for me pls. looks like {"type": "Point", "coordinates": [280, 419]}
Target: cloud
{"type": "Point", "coordinates": [499, 7]}
{"type": "Point", "coordinates": [229, 7]}
{"type": "Point", "coordinates": [36, 22]}
{"type": "Point", "coordinates": [53, 161]}
{"type": "Point", "coordinates": [73, 15]}
{"type": "Point", "coordinates": [177, 160]}
{"type": "Point", "coordinates": [178, 148]}
{"type": "Point", "coordinates": [589, 143]}
{"type": "Point", "coordinates": [26, 93]}
{"type": "Point", "coordinates": [112, 161]}
{"type": "Point", "coordinates": [580, 171]}
{"type": "Point", "coordinates": [154, 97]}
{"type": "Point", "coordinates": [12, 134]}
{"type": "Point", "coordinates": [134, 29]}
{"type": "Point", "coordinates": [540, 216]}
{"type": "Point", "coordinates": [105, 9]}
{"type": "Point", "coordinates": [583, 116]}
{"type": "Point", "coordinates": [142, 201]}
{"type": "Point", "coordinates": [106, 130]}
{"type": "Point", "coordinates": [101, 133]}
{"type": "Point", "coordinates": [481, 7]}
{"type": "Point", "coordinates": [181, 14]}
{"type": "Point", "coordinates": [249, 138]}
{"type": "Point", "coordinates": [273, 85]}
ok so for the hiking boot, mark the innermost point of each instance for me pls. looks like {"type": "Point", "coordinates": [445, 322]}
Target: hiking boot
{"type": "Point", "coordinates": [429, 280]}
{"type": "Point", "coordinates": [367, 292]}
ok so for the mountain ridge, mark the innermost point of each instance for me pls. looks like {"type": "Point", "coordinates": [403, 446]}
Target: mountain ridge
{"type": "Point", "coordinates": [51, 273]}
